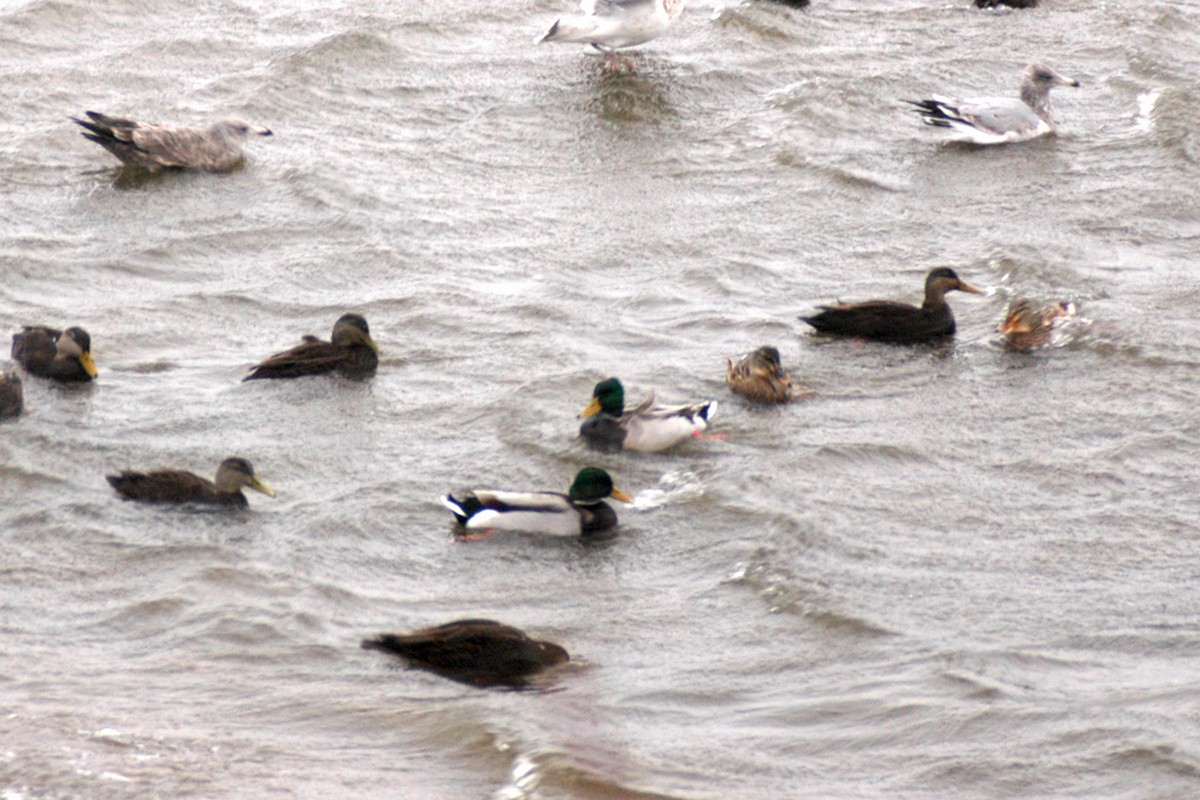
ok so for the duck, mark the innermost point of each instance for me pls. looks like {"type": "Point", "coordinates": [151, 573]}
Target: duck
{"type": "Point", "coordinates": [580, 511]}
{"type": "Point", "coordinates": [647, 428]}
{"type": "Point", "coordinates": [177, 486]}
{"type": "Point", "coordinates": [481, 652]}
{"type": "Point", "coordinates": [1009, 3]}
{"type": "Point", "coordinates": [890, 321]}
{"type": "Point", "coordinates": [759, 376]}
{"type": "Point", "coordinates": [351, 351]}
{"type": "Point", "coordinates": [1027, 325]}
{"type": "Point", "coordinates": [12, 395]}
{"type": "Point", "coordinates": [64, 356]}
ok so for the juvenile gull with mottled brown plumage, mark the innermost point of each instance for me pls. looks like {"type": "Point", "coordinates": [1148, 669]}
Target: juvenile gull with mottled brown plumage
{"type": "Point", "coordinates": [217, 148]}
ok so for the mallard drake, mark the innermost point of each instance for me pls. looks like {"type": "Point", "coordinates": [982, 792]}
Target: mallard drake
{"type": "Point", "coordinates": [889, 321]}
{"type": "Point", "coordinates": [217, 148]}
{"type": "Point", "coordinates": [648, 428]}
{"type": "Point", "coordinates": [1027, 325]}
{"type": "Point", "coordinates": [50, 353]}
{"type": "Point", "coordinates": [350, 351]}
{"type": "Point", "coordinates": [581, 510]}
{"type": "Point", "coordinates": [759, 376]}
{"type": "Point", "coordinates": [178, 486]}
{"type": "Point", "coordinates": [480, 652]}
{"type": "Point", "coordinates": [12, 395]}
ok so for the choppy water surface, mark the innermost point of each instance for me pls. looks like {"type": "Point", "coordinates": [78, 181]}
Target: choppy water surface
{"type": "Point", "coordinates": [958, 572]}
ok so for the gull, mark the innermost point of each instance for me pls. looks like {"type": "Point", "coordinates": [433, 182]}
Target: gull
{"type": "Point", "coordinates": [609, 25]}
{"type": "Point", "coordinates": [996, 120]}
{"type": "Point", "coordinates": [217, 148]}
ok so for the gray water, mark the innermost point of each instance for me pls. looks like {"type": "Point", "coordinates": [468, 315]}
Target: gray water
{"type": "Point", "coordinates": [958, 571]}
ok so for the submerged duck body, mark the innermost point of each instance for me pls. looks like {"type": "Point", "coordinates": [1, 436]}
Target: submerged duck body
{"type": "Point", "coordinates": [12, 395]}
{"type": "Point", "coordinates": [581, 510]}
{"type": "Point", "coordinates": [648, 428]}
{"type": "Point", "coordinates": [177, 486]}
{"type": "Point", "coordinates": [1027, 325]}
{"type": "Point", "coordinates": [64, 356]}
{"type": "Point", "coordinates": [759, 376]}
{"type": "Point", "coordinates": [890, 321]}
{"type": "Point", "coordinates": [351, 352]}
{"type": "Point", "coordinates": [481, 652]}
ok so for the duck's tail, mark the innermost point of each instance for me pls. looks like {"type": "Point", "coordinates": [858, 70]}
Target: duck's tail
{"type": "Point", "coordinates": [463, 509]}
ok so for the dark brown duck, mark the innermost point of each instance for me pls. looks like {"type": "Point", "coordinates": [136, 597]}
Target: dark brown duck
{"type": "Point", "coordinates": [12, 395]}
{"type": "Point", "coordinates": [480, 652]}
{"type": "Point", "coordinates": [350, 351]}
{"type": "Point", "coordinates": [178, 486]}
{"type": "Point", "coordinates": [889, 321]}
{"type": "Point", "coordinates": [50, 353]}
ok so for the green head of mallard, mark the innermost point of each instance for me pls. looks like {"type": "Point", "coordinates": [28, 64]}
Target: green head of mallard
{"type": "Point", "coordinates": [592, 485]}
{"type": "Point", "coordinates": [608, 396]}
{"type": "Point", "coordinates": [234, 473]}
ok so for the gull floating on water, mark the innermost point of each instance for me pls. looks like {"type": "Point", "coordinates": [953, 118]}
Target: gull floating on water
{"type": "Point", "coordinates": [154, 147]}
{"type": "Point", "coordinates": [610, 25]}
{"type": "Point", "coordinates": [996, 120]}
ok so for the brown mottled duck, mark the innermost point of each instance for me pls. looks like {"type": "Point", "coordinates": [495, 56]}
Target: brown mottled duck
{"type": "Point", "coordinates": [50, 353]}
{"type": "Point", "coordinates": [12, 395]}
{"type": "Point", "coordinates": [889, 321]}
{"type": "Point", "coordinates": [480, 652]}
{"type": "Point", "coordinates": [1027, 325]}
{"type": "Point", "coordinates": [178, 486]}
{"type": "Point", "coordinates": [759, 376]}
{"type": "Point", "coordinates": [351, 351]}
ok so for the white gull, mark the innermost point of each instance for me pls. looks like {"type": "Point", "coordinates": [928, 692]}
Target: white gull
{"type": "Point", "coordinates": [996, 120]}
{"type": "Point", "coordinates": [609, 25]}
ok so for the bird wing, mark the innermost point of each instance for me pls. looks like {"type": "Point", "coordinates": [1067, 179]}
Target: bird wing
{"type": "Point", "coordinates": [168, 484]}
{"type": "Point", "coordinates": [311, 357]}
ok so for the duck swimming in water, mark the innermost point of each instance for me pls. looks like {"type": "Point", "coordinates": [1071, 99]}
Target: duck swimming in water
{"type": "Point", "coordinates": [648, 428]}
{"type": "Point", "coordinates": [480, 652]}
{"type": "Point", "coordinates": [889, 321]}
{"type": "Point", "coordinates": [581, 510]}
{"type": "Point", "coordinates": [351, 351]}
{"type": "Point", "coordinates": [177, 486]}
{"type": "Point", "coordinates": [1027, 325]}
{"type": "Point", "coordinates": [64, 356]}
{"type": "Point", "coordinates": [759, 376]}
{"type": "Point", "coordinates": [12, 395]}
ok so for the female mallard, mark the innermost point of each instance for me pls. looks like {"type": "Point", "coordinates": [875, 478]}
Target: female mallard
{"type": "Point", "coordinates": [177, 486]}
{"type": "Point", "coordinates": [581, 510]}
{"type": "Point", "coordinates": [480, 652]}
{"type": "Point", "coordinates": [1027, 326]}
{"type": "Point", "coordinates": [759, 376]}
{"type": "Point", "coordinates": [12, 395]}
{"type": "Point", "coordinates": [50, 353]}
{"type": "Point", "coordinates": [648, 428]}
{"type": "Point", "coordinates": [350, 351]}
{"type": "Point", "coordinates": [889, 321]}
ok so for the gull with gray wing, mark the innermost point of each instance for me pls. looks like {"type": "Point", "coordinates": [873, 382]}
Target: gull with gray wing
{"type": "Point", "coordinates": [997, 120]}
{"type": "Point", "coordinates": [610, 25]}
